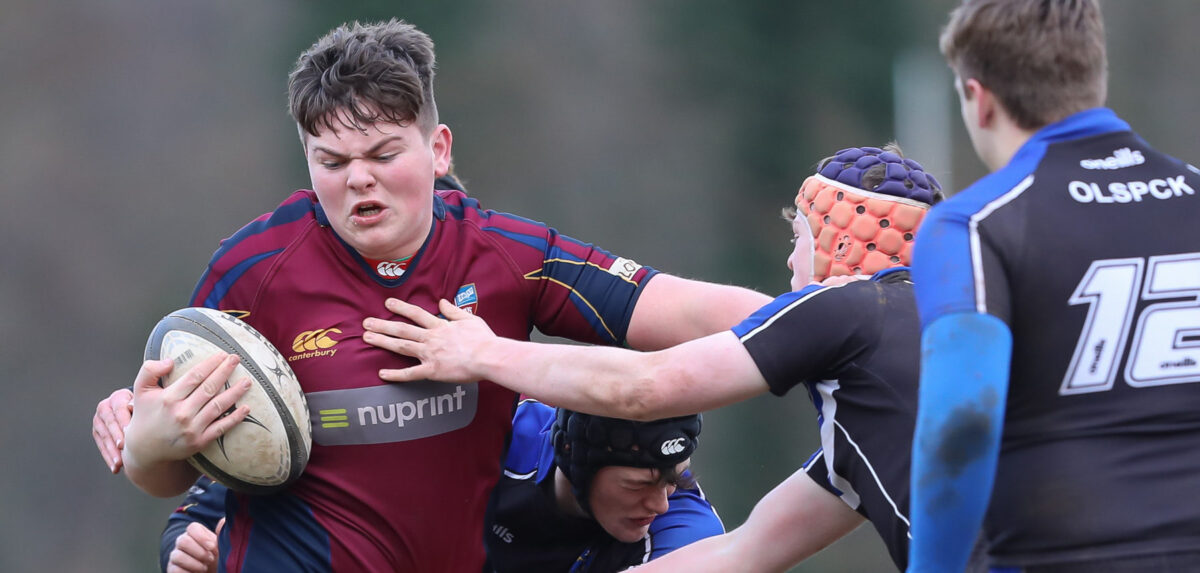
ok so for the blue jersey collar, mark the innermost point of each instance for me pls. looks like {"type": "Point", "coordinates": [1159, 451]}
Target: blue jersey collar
{"type": "Point", "coordinates": [885, 272]}
{"type": "Point", "coordinates": [1088, 122]}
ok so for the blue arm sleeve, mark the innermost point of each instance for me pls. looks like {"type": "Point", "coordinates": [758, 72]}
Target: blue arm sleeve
{"type": "Point", "coordinates": [205, 503]}
{"type": "Point", "coordinates": [689, 519]}
{"type": "Point", "coordinates": [960, 416]}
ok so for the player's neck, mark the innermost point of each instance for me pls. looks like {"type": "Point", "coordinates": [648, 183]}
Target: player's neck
{"type": "Point", "coordinates": [564, 497]}
{"type": "Point", "coordinates": [1007, 139]}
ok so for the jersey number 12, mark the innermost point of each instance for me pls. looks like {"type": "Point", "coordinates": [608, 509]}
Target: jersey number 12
{"type": "Point", "coordinates": [1166, 339]}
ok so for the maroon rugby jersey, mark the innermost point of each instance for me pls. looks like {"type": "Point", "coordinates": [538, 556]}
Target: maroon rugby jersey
{"type": "Point", "coordinates": [399, 473]}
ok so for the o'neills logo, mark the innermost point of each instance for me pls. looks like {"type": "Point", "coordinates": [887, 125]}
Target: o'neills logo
{"type": "Point", "coordinates": [314, 343]}
{"type": "Point", "coordinates": [1120, 159]}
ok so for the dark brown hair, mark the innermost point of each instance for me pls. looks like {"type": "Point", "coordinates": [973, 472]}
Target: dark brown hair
{"type": "Point", "coordinates": [1044, 59]}
{"type": "Point", "coordinates": [359, 74]}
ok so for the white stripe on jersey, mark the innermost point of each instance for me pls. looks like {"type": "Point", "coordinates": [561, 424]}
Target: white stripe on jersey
{"type": "Point", "coordinates": [829, 416]}
{"type": "Point", "coordinates": [648, 550]}
{"type": "Point", "coordinates": [878, 484]}
{"type": "Point", "coordinates": [976, 262]}
{"type": "Point", "coordinates": [849, 495]}
{"type": "Point", "coordinates": [766, 323]}
{"type": "Point", "coordinates": [515, 475]}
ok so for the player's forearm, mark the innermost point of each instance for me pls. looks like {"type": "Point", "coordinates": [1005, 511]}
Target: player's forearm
{"type": "Point", "coordinates": [811, 517]}
{"type": "Point", "coordinates": [963, 389]}
{"type": "Point", "coordinates": [160, 479]}
{"type": "Point", "coordinates": [696, 376]}
{"type": "Point", "coordinates": [719, 553]}
{"type": "Point", "coordinates": [602, 381]}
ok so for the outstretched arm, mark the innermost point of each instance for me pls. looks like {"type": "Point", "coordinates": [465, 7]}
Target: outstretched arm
{"type": "Point", "coordinates": [964, 386]}
{"type": "Point", "coordinates": [672, 310]}
{"type": "Point", "coordinates": [799, 511]}
{"type": "Point", "coordinates": [697, 376]}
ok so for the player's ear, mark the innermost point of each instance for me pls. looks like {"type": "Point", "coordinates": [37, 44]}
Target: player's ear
{"type": "Point", "coordinates": [983, 100]}
{"type": "Point", "coordinates": [441, 141]}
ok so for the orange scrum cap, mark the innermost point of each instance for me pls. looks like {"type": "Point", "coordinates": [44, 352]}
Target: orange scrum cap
{"type": "Point", "coordinates": [863, 231]}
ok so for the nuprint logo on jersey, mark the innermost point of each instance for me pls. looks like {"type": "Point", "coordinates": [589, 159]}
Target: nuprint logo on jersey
{"type": "Point", "coordinates": [390, 413]}
{"type": "Point", "coordinates": [467, 298]}
{"type": "Point", "coordinates": [1120, 159]}
{"type": "Point", "coordinates": [314, 343]}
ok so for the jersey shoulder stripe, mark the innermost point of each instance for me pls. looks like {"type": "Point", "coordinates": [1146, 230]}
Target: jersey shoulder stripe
{"type": "Point", "coordinates": [261, 239]}
{"type": "Point", "coordinates": [945, 257]}
{"type": "Point", "coordinates": [601, 286]}
{"type": "Point", "coordinates": [859, 295]}
{"type": "Point", "coordinates": [765, 316]}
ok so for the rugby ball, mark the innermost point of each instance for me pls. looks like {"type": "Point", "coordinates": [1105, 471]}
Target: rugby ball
{"type": "Point", "coordinates": [269, 449]}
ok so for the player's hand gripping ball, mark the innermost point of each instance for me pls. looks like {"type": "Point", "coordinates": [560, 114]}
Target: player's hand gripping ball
{"type": "Point", "coordinates": [269, 449]}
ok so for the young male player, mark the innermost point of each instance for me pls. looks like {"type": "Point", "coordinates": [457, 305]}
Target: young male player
{"type": "Point", "coordinates": [860, 366]}
{"type": "Point", "coordinates": [393, 486]}
{"type": "Point", "coordinates": [579, 493]}
{"type": "Point", "coordinates": [1061, 319]}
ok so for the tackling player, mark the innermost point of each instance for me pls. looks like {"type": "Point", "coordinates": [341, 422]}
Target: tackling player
{"type": "Point", "coordinates": [580, 493]}
{"type": "Point", "coordinates": [1061, 320]}
{"type": "Point", "coordinates": [858, 215]}
{"type": "Point", "coordinates": [392, 485]}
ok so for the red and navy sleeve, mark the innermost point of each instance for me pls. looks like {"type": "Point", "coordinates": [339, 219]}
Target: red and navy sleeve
{"type": "Point", "coordinates": [578, 290]}
{"type": "Point", "coordinates": [204, 504]}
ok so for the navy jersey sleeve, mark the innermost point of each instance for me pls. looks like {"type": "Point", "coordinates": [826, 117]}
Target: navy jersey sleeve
{"type": "Point", "coordinates": [689, 518]}
{"type": "Point", "coordinates": [810, 333]}
{"type": "Point", "coordinates": [204, 504]}
{"type": "Point", "coordinates": [530, 448]}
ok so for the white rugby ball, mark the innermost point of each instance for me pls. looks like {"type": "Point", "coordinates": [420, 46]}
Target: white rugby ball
{"type": "Point", "coordinates": [269, 449]}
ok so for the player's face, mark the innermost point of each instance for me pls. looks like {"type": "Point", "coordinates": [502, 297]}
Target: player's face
{"type": "Point", "coordinates": [626, 500]}
{"type": "Point", "coordinates": [376, 185]}
{"type": "Point", "coordinates": [801, 260]}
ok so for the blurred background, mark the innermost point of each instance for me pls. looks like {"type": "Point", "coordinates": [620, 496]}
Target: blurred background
{"type": "Point", "coordinates": [138, 133]}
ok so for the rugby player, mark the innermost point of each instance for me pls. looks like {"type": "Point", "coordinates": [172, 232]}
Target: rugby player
{"type": "Point", "coordinates": [1061, 324]}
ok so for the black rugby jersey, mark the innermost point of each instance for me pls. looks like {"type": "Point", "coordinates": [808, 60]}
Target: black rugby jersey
{"type": "Point", "coordinates": [1087, 245]}
{"type": "Point", "coordinates": [855, 347]}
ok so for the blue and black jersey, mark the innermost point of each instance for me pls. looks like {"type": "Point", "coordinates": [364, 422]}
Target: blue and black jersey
{"type": "Point", "coordinates": [1087, 247]}
{"type": "Point", "coordinates": [855, 348]}
{"type": "Point", "coordinates": [528, 532]}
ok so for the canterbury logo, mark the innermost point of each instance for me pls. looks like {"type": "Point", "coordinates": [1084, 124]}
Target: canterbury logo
{"type": "Point", "coordinates": [390, 269]}
{"type": "Point", "coordinates": [670, 447]}
{"type": "Point", "coordinates": [315, 340]}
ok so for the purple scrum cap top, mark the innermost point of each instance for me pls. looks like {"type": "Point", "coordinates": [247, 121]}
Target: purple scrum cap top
{"type": "Point", "coordinates": [902, 178]}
